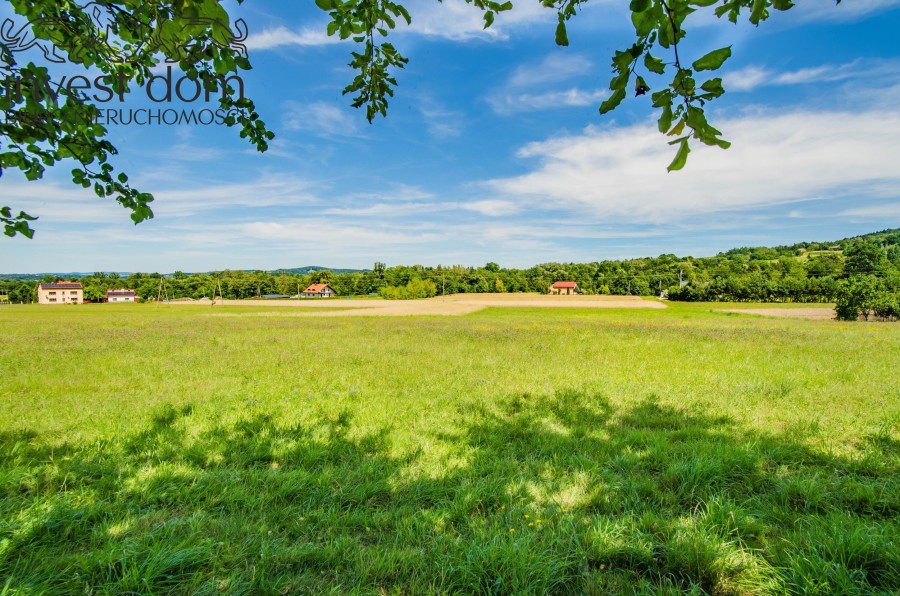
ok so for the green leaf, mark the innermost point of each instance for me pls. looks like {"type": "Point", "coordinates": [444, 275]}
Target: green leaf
{"type": "Point", "coordinates": [639, 5]}
{"type": "Point", "coordinates": [713, 87]}
{"type": "Point", "coordinates": [665, 120]}
{"type": "Point", "coordinates": [562, 37]}
{"type": "Point", "coordinates": [680, 157]}
{"type": "Point", "coordinates": [620, 81]}
{"type": "Point", "coordinates": [654, 64]}
{"type": "Point", "coordinates": [677, 130]}
{"type": "Point", "coordinates": [613, 101]}
{"type": "Point", "coordinates": [758, 12]}
{"type": "Point", "coordinates": [325, 5]}
{"type": "Point", "coordinates": [713, 60]}
{"type": "Point", "coordinates": [662, 98]}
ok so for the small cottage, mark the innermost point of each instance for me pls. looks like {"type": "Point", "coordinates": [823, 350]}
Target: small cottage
{"type": "Point", "coordinates": [318, 291]}
{"type": "Point", "coordinates": [564, 287]}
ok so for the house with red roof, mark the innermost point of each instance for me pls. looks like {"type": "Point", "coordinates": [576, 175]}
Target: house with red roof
{"type": "Point", "coordinates": [567, 288]}
{"type": "Point", "coordinates": [61, 292]}
{"type": "Point", "coordinates": [318, 291]}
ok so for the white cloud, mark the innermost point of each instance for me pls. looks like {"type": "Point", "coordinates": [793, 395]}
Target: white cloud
{"type": "Point", "coordinates": [269, 39]}
{"type": "Point", "coordinates": [511, 103]}
{"type": "Point", "coordinates": [58, 204]}
{"type": "Point", "coordinates": [441, 122]}
{"type": "Point", "coordinates": [530, 87]}
{"type": "Point", "coordinates": [320, 118]}
{"type": "Point", "coordinates": [555, 68]}
{"type": "Point", "coordinates": [813, 10]}
{"type": "Point", "coordinates": [619, 174]}
{"type": "Point", "coordinates": [887, 211]}
{"type": "Point", "coordinates": [460, 21]}
{"type": "Point", "coordinates": [455, 20]}
{"type": "Point", "coordinates": [492, 207]}
{"type": "Point", "coordinates": [752, 77]}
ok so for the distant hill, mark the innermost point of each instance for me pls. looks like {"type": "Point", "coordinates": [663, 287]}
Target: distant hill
{"type": "Point", "coordinates": [312, 269]}
{"type": "Point", "coordinates": [123, 274]}
{"type": "Point", "coordinates": [885, 238]}
{"type": "Point", "coordinates": [69, 275]}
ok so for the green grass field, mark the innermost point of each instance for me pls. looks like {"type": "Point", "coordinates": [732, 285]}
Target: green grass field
{"type": "Point", "coordinates": [174, 450]}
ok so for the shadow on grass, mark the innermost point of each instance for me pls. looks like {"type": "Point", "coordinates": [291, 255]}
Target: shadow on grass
{"type": "Point", "coordinates": [561, 493]}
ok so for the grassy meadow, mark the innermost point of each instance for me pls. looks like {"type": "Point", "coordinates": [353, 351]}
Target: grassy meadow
{"type": "Point", "coordinates": [204, 450]}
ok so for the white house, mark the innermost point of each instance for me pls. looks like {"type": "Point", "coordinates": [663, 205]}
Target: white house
{"type": "Point", "coordinates": [120, 296]}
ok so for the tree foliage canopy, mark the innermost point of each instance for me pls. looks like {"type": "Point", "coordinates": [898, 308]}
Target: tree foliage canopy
{"type": "Point", "coordinates": [45, 123]}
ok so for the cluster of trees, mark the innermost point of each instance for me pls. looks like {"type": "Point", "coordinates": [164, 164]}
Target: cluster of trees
{"type": "Point", "coordinates": [417, 288]}
{"type": "Point", "coordinates": [866, 296]}
{"type": "Point", "coordinates": [865, 268]}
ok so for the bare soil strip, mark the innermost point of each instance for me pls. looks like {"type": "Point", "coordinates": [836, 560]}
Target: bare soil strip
{"type": "Point", "coordinates": [459, 304]}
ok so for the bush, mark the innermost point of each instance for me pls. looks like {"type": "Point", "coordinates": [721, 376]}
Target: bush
{"type": "Point", "coordinates": [416, 288]}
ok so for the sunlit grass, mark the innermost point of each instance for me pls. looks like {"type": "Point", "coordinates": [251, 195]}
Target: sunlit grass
{"type": "Point", "coordinates": [513, 450]}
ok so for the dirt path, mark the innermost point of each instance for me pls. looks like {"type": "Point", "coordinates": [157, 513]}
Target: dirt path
{"type": "Point", "coordinates": [458, 304]}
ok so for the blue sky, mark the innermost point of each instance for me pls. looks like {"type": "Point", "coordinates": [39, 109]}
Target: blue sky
{"type": "Point", "coordinates": [493, 150]}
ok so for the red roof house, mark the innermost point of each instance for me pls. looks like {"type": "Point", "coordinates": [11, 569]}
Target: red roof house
{"type": "Point", "coordinates": [318, 291]}
{"type": "Point", "coordinates": [564, 287]}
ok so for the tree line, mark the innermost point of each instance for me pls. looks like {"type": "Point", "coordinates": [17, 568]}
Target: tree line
{"type": "Point", "coordinates": [867, 266]}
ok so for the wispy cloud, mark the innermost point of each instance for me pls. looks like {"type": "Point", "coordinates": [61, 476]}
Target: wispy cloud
{"type": "Point", "coordinates": [492, 207]}
{"type": "Point", "coordinates": [320, 118]}
{"type": "Point", "coordinates": [753, 77]}
{"type": "Point", "coordinates": [511, 103]}
{"type": "Point", "coordinates": [554, 68]}
{"type": "Point", "coordinates": [439, 121]}
{"type": "Point", "coordinates": [535, 86]}
{"type": "Point", "coordinates": [886, 211]}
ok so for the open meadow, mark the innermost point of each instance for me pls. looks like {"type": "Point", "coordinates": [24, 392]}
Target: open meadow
{"type": "Point", "coordinates": [513, 449]}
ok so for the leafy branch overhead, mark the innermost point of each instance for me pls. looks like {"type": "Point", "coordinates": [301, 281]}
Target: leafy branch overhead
{"type": "Point", "coordinates": [659, 27]}
{"type": "Point", "coordinates": [45, 122]}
